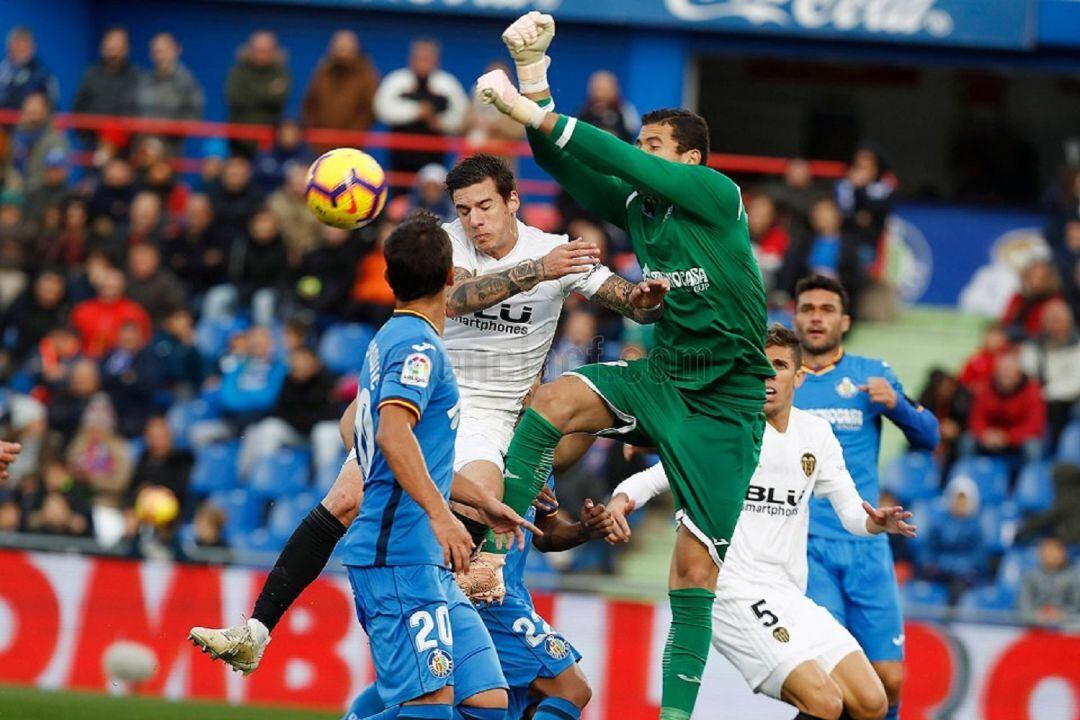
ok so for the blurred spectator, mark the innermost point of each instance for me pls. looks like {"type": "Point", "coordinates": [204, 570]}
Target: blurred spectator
{"type": "Point", "coordinates": [54, 189]}
{"type": "Point", "coordinates": [100, 458]}
{"type": "Point", "coordinates": [56, 516]}
{"type": "Point", "coordinates": [979, 368]}
{"type": "Point", "coordinates": [484, 123]}
{"type": "Point", "coordinates": [31, 142]}
{"type": "Point", "coordinates": [50, 366]}
{"type": "Point", "coordinates": [10, 513]}
{"type": "Point", "coordinates": [209, 525]}
{"type": "Point", "coordinates": [769, 237]}
{"type": "Point", "coordinates": [420, 99]}
{"type": "Point", "coordinates": [289, 147]}
{"type": "Point", "coordinates": [145, 222]}
{"type": "Point", "coordinates": [169, 90]}
{"type": "Point", "coordinates": [98, 320]}
{"type": "Point", "coordinates": [162, 464]}
{"type": "Point", "coordinates": [327, 273]}
{"type": "Point", "coordinates": [251, 382]}
{"type": "Point", "coordinates": [258, 85]}
{"type": "Point", "coordinates": [34, 314]}
{"type": "Point", "coordinates": [182, 367]}
{"type": "Point", "coordinates": [198, 251]}
{"type": "Point", "coordinates": [70, 401]}
{"type": "Point", "coordinates": [131, 377]}
{"type": "Point", "coordinates": [1039, 284]}
{"type": "Point", "coordinates": [1008, 415]}
{"type": "Point", "coordinates": [341, 92]}
{"type": "Point", "coordinates": [371, 296]}
{"type": "Point", "coordinates": [576, 346]}
{"type": "Point", "coordinates": [156, 289]}
{"type": "Point", "coordinates": [22, 73]}
{"type": "Point", "coordinates": [955, 550]}
{"type": "Point", "coordinates": [235, 199]}
{"type": "Point", "coordinates": [1051, 591]}
{"type": "Point", "coordinates": [826, 250]}
{"type": "Point", "coordinates": [299, 227]}
{"type": "Point", "coordinates": [263, 265]}
{"type": "Point", "coordinates": [606, 108]}
{"type": "Point", "coordinates": [110, 204]}
{"type": "Point", "coordinates": [1054, 360]}
{"type": "Point", "coordinates": [864, 197]}
{"type": "Point", "coordinates": [794, 194]}
{"type": "Point", "coordinates": [1060, 520]}
{"type": "Point", "coordinates": [307, 398]}
{"type": "Point", "coordinates": [950, 402]}
{"type": "Point", "coordinates": [108, 87]}
{"type": "Point", "coordinates": [429, 193]}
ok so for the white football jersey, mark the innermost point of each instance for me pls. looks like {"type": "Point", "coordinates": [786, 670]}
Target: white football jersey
{"type": "Point", "coordinates": [497, 352]}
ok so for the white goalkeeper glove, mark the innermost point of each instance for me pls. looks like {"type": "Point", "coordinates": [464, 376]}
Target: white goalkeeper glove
{"type": "Point", "coordinates": [527, 39]}
{"type": "Point", "coordinates": [495, 88]}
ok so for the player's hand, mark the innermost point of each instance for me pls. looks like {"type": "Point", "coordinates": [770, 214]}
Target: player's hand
{"type": "Point", "coordinates": [596, 520]}
{"type": "Point", "coordinates": [572, 258]}
{"type": "Point", "coordinates": [9, 452]}
{"type": "Point", "coordinates": [494, 88]}
{"type": "Point", "coordinates": [629, 452]}
{"type": "Point", "coordinates": [620, 508]}
{"type": "Point", "coordinates": [505, 523]}
{"type": "Point", "coordinates": [454, 540]}
{"type": "Point", "coordinates": [892, 520]}
{"type": "Point", "coordinates": [528, 37]}
{"type": "Point", "coordinates": [546, 501]}
{"type": "Point", "coordinates": [649, 293]}
{"type": "Point", "coordinates": [880, 391]}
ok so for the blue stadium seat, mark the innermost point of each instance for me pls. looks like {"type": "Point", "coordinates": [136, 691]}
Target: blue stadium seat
{"type": "Point", "coordinates": [926, 514]}
{"type": "Point", "coordinates": [281, 475]}
{"type": "Point", "coordinates": [991, 598]}
{"type": "Point", "coordinates": [286, 513]}
{"type": "Point", "coordinates": [183, 415]}
{"type": "Point", "coordinates": [215, 468]}
{"type": "Point", "coordinates": [1014, 565]}
{"type": "Point", "coordinates": [990, 474]}
{"type": "Point", "coordinates": [924, 593]}
{"type": "Point", "coordinates": [243, 511]}
{"type": "Point", "coordinates": [342, 347]}
{"type": "Point", "coordinates": [1068, 449]}
{"type": "Point", "coordinates": [1034, 489]}
{"type": "Point", "coordinates": [212, 334]}
{"type": "Point", "coordinates": [325, 477]}
{"type": "Point", "coordinates": [999, 525]}
{"type": "Point", "coordinates": [258, 540]}
{"type": "Point", "coordinates": [912, 476]}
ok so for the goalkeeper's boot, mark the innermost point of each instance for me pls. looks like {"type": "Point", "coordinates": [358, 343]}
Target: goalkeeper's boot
{"type": "Point", "coordinates": [484, 581]}
{"type": "Point", "coordinates": [240, 646]}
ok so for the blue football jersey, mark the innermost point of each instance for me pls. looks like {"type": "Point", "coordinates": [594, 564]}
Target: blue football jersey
{"type": "Point", "coordinates": [835, 393]}
{"type": "Point", "coordinates": [406, 364]}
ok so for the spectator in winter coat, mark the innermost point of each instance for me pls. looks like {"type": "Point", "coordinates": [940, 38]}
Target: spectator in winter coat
{"type": "Point", "coordinates": [326, 273]}
{"type": "Point", "coordinates": [50, 365]}
{"type": "Point", "coordinates": [182, 367]}
{"type": "Point", "coordinates": [250, 385]}
{"type": "Point", "coordinates": [162, 463]}
{"type": "Point", "coordinates": [31, 142]}
{"type": "Point", "coordinates": [67, 406]}
{"type": "Point", "coordinates": [421, 99]}
{"type": "Point", "coordinates": [1060, 520]}
{"type": "Point", "coordinates": [236, 199]}
{"type": "Point", "coordinates": [98, 320]}
{"type": "Point", "coordinates": [289, 148]}
{"type": "Point", "coordinates": [768, 236]}
{"type": "Point", "coordinates": [1008, 415]}
{"type": "Point", "coordinates": [300, 229]}
{"type": "Point", "coordinates": [263, 265]}
{"type": "Point", "coordinates": [1039, 285]}
{"type": "Point", "coordinates": [341, 92]}
{"type": "Point", "coordinates": [34, 313]}
{"type": "Point", "coordinates": [607, 109]}
{"type": "Point", "coordinates": [258, 85]}
{"type": "Point", "coordinates": [109, 86]}
{"type": "Point", "coordinates": [951, 404]}
{"type": "Point", "coordinates": [22, 73]}
{"type": "Point", "coordinates": [1054, 359]}
{"type": "Point", "coordinates": [169, 90]}
{"type": "Point", "coordinates": [826, 250]}
{"type": "Point", "coordinates": [795, 194]}
{"type": "Point", "coordinates": [372, 300]}
{"type": "Point", "coordinates": [131, 376]}
{"type": "Point", "coordinates": [979, 368]}
{"type": "Point", "coordinates": [955, 550]}
{"type": "Point", "coordinates": [54, 190]}
{"type": "Point", "coordinates": [1051, 591]}
{"type": "Point", "coordinates": [155, 288]}
{"type": "Point", "coordinates": [429, 193]}
{"type": "Point", "coordinates": [864, 196]}
{"type": "Point", "coordinates": [198, 251]}
{"type": "Point", "coordinates": [100, 458]}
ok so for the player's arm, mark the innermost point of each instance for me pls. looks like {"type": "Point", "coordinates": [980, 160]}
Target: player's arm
{"type": "Point", "coordinates": [506, 523]}
{"type": "Point", "coordinates": [642, 302]}
{"type": "Point", "coordinates": [634, 492]}
{"type": "Point", "coordinates": [559, 535]}
{"type": "Point", "coordinates": [919, 426]}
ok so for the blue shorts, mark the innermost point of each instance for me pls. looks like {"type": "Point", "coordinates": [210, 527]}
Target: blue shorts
{"type": "Point", "coordinates": [855, 581]}
{"type": "Point", "coordinates": [424, 633]}
{"type": "Point", "coordinates": [528, 648]}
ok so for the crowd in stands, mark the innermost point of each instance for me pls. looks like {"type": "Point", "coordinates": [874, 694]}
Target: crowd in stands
{"type": "Point", "coordinates": [198, 333]}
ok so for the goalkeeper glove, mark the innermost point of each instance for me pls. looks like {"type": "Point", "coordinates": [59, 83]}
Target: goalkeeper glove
{"type": "Point", "coordinates": [528, 38]}
{"type": "Point", "coordinates": [495, 88]}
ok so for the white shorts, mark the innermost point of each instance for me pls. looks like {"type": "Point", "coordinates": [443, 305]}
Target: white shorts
{"type": "Point", "coordinates": [766, 631]}
{"type": "Point", "coordinates": [483, 435]}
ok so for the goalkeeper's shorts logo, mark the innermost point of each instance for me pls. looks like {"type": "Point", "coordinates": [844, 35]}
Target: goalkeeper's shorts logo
{"type": "Point", "coordinates": [556, 647]}
{"type": "Point", "coordinates": [439, 663]}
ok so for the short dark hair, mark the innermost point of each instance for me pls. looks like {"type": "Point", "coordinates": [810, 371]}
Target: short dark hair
{"type": "Point", "coordinates": [418, 257]}
{"type": "Point", "coordinates": [688, 128]}
{"type": "Point", "coordinates": [780, 336]}
{"type": "Point", "coordinates": [477, 168]}
{"type": "Point", "coordinates": [823, 282]}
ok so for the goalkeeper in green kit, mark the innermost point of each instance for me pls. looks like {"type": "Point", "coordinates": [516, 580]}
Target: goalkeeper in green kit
{"type": "Point", "coordinates": [698, 397]}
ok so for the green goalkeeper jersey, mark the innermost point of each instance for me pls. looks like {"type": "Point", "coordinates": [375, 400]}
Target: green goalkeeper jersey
{"type": "Point", "coordinates": [687, 224]}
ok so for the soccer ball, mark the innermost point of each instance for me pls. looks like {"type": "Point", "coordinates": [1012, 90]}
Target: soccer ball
{"type": "Point", "coordinates": [346, 188]}
{"type": "Point", "coordinates": [156, 505]}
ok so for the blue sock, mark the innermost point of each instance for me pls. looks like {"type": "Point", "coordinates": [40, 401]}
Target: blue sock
{"type": "Point", "coordinates": [425, 712]}
{"type": "Point", "coordinates": [557, 709]}
{"type": "Point", "coordinates": [366, 704]}
{"type": "Point", "coordinates": [467, 712]}
{"type": "Point", "coordinates": [894, 712]}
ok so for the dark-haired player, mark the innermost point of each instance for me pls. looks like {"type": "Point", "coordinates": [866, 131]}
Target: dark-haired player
{"type": "Point", "coordinates": [698, 398]}
{"type": "Point", "coordinates": [854, 577]}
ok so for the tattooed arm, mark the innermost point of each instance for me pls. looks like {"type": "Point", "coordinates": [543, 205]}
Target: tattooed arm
{"type": "Point", "coordinates": [642, 303]}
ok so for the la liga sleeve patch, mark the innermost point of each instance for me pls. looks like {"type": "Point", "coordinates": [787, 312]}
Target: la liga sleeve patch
{"type": "Point", "coordinates": [416, 370]}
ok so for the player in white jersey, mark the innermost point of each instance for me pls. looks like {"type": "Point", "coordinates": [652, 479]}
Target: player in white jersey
{"type": "Point", "coordinates": [784, 644]}
{"type": "Point", "coordinates": [510, 282]}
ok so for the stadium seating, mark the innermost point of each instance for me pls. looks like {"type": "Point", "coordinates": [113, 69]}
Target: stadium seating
{"type": "Point", "coordinates": [912, 476]}
{"type": "Point", "coordinates": [926, 514]}
{"type": "Point", "coordinates": [990, 474]}
{"type": "Point", "coordinates": [1034, 489]}
{"type": "Point", "coordinates": [183, 415]}
{"type": "Point", "coordinates": [924, 593]}
{"type": "Point", "coordinates": [281, 475]}
{"type": "Point", "coordinates": [1069, 445]}
{"type": "Point", "coordinates": [990, 598]}
{"type": "Point", "coordinates": [999, 525]}
{"type": "Point", "coordinates": [215, 468]}
{"type": "Point", "coordinates": [1016, 562]}
{"type": "Point", "coordinates": [286, 514]}
{"type": "Point", "coordinates": [212, 334]}
{"type": "Point", "coordinates": [243, 511]}
{"type": "Point", "coordinates": [343, 347]}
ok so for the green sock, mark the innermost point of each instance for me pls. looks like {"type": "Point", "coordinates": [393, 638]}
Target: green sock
{"type": "Point", "coordinates": [528, 463]}
{"type": "Point", "coordinates": [686, 650]}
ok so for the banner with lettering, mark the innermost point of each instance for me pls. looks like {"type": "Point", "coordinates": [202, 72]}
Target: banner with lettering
{"type": "Point", "coordinates": [59, 614]}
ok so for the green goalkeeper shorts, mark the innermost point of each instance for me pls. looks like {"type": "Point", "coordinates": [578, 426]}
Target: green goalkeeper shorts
{"type": "Point", "coordinates": [709, 459]}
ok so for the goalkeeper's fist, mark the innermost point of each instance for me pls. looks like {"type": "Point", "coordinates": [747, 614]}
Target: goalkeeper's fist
{"type": "Point", "coordinates": [494, 88]}
{"type": "Point", "coordinates": [528, 37]}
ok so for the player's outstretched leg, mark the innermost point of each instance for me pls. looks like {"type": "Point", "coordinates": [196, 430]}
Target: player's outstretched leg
{"type": "Point", "coordinates": [891, 673]}
{"type": "Point", "coordinates": [301, 561]}
{"type": "Point", "coordinates": [864, 695]}
{"type": "Point", "coordinates": [813, 692]}
{"type": "Point", "coordinates": [564, 696]}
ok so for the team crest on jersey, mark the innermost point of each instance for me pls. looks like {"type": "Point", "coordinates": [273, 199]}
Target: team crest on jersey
{"type": "Point", "coordinates": [781, 634]}
{"type": "Point", "coordinates": [847, 388]}
{"type": "Point", "coordinates": [416, 370]}
{"type": "Point", "coordinates": [809, 464]}
{"type": "Point", "coordinates": [556, 647]}
{"type": "Point", "coordinates": [439, 663]}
